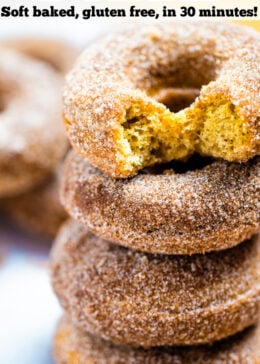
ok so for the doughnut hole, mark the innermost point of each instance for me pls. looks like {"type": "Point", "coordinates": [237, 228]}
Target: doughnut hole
{"type": "Point", "coordinates": [176, 99]}
{"type": "Point", "coordinates": [6, 93]}
{"type": "Point", "coordinates": [2, 98]}
{"type": "Point", "coordinates": [2, 102]}
{"type": "Point", "coordinates": [44, 58]}
{"type": "Point", "coordinates": [47, 51]}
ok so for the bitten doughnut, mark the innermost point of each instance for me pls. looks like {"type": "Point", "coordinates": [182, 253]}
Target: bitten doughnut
{"type": "Point", "coordinates": [39, 210]}
{"type": "Point", "coordinates": [73, 346]}
{"type": "Point", "coordinates": [111, 108]}
{"type": "Point", "coordinates": [165, 209]}
{"type": "Point", "coordinates": [130, 297]}
{"type": "Point", "coordinates": [58, 54]}
{"type": "Point", "coordinates": [32, 140]}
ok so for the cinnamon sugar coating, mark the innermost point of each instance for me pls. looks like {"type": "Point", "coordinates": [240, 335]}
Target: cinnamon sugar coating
{"type": "Point", "coordinates": [56, 53]}
{"type": "Point", "coordinates": [111, 109]}
{"type": "Point", "coordinates": [32, 139]}
{"type": "Point", "coordinates": [134, 298]}
{"type": "Point", "coordinates": [73, 346]}
{"type": "Point", "coordinates": [162, 211]}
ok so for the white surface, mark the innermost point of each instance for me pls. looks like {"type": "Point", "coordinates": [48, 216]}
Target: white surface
{"type": "Point", "coordinates": [29, 310]}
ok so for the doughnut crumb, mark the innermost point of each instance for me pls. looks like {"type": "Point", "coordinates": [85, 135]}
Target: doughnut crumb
{"type": "Point", "coordinates": [152, 134]}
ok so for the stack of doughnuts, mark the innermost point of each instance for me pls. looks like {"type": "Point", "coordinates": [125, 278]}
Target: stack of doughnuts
{"type": "Point", "coordinates": [32, 139]}
{"type": "Point", "coordinates": [160, 262]}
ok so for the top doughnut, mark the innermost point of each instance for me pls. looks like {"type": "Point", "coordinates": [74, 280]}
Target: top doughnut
{"type": "Point", "coordinates": [114, 97]}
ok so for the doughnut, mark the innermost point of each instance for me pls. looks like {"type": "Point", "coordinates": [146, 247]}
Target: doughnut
{"type": "Point", "coordinates": [113, 106]}
{"type": "Point", "coordinates": [57, 54]}
{"type": "Point", "coordinates": [32, 139]}
{"type": "Point", "coordinates": [73, 346]}
{"type": "Point", "coordinates": [38, 211]}
{"type": "Point", "coordinates": [166, 209]}
{"type": "Point", "coordinates": [140, 299]}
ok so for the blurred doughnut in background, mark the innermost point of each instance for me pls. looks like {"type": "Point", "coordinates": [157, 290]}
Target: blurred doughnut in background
{"type": "Point", "coordinates": [38, 211]}
{"type": "Point", "coordinates": [250, 23]}
{"type": "Point", "coordinates": [56, 53]}
{"type": "Point", "coordinates": [36, 207]}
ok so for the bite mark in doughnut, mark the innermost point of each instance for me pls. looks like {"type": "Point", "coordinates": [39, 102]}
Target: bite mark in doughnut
{"type": "Point", "coordinates": [111, 109]}
{"type": "Point", "coordinates": [151, 134]}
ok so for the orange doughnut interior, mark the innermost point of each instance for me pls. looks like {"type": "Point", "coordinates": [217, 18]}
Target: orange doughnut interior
{"type": "Point", "coordinates": [151, 133]}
